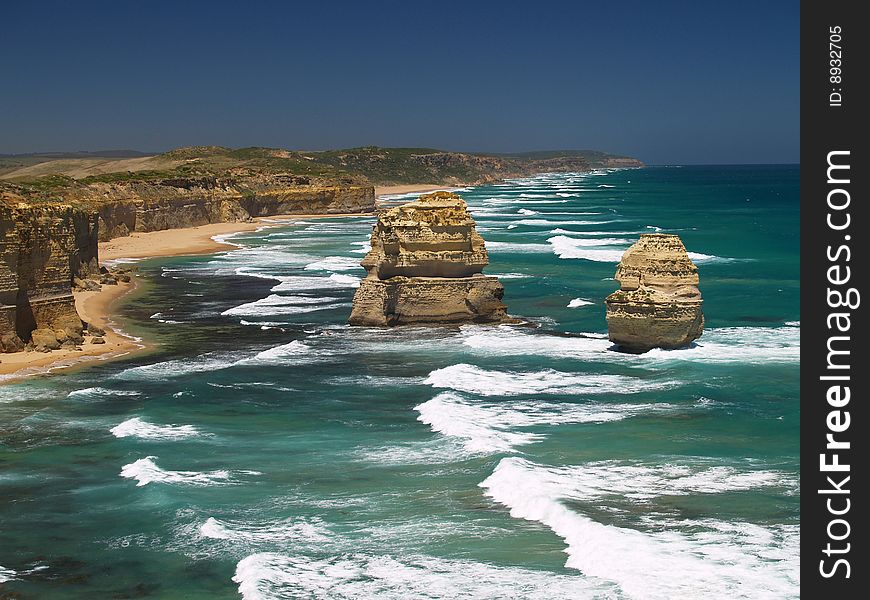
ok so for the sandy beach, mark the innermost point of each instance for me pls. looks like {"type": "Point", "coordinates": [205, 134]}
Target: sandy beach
{"type": "Point", "coordinates": [94, 308]}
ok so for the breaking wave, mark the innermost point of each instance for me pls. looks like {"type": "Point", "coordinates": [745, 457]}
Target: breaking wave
{"type": "Point", "coordinates": [146, 471]}
{"type": "Point", "coordinates": [138, 428]}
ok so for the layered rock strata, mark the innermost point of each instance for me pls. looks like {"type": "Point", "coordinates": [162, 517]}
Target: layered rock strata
{"type": "Point", "coordinates": [658, 304]}
{"type": "Point", "coordinates": [40, 249]}
{"type": "Point", "coordinates": [177, 203]}
{"type": "Point", "coordinates": [48, 241]}
{"type": "Point", "coordinates": [425, 267]}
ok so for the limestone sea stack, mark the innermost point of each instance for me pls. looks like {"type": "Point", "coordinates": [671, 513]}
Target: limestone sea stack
{"type": "Point", "coordinates": [658, 304]}
{"type": "Point", "coordinates": [425, 267]}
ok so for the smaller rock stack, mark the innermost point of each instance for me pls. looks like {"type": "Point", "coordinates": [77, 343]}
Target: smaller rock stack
{"type": "Point", "coordinates": [425, 267]}
{"type": "Point", "coordinates": [658, 304]}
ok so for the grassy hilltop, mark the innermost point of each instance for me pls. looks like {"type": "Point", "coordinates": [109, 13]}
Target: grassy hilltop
{"type": "Point", "coordinates": [51, 175]}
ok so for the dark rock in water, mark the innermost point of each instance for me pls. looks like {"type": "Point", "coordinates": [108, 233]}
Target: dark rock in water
{"type": "Point", "coordinates": [658, 304]}
{"type": "Point", "coordinates": [425, 267]}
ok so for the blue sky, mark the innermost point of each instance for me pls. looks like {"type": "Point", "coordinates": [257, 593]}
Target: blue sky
{"type": "Point", "coordinates": [667, 82]}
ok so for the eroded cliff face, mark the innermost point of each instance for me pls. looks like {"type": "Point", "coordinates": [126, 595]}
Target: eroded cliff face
{"type": "Point", "coordinates": [658, 304]}
{"type": "Point", "coordinates": [41, 248]}
{"type": "Point", "coordinates": [425, 267]}
{"type": "Point", "coordinates": [172, 204]}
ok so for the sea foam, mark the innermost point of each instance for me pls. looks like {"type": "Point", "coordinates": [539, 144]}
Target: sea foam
{"type": "Point", "coordinates": [675, 563]}
{"type": "Point", "coordinates": [275, 304]}
{"type": "Point", "coordinates": [98, 392]}
{"type": "Point", "coordinates": [146, 471]}
{"type": "Point", "coordinates": [751, 345]}
{"type": "Point", "coordinates": [334, 263]}
{"type": "Point", "coordinates": [6, 574]}
{"type": "Point", "coordinates": [298, 532]}
{"type": "Point", "coordinates": [578, 302]}
{"type": "Point", "coordinates": [138, 428]}
{"type": "Point", "coordinates": [472, 379]}
{"type": "Point", "coordinates": [486, 427]}
{"type": "Point", "coordinates": [358, 576]}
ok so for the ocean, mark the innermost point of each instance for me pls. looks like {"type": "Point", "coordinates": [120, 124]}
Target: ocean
{"type": "Point", "coordinates": [265, 449]}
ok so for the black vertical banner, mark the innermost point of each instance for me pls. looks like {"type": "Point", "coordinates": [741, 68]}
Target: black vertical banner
{"type": "Point", "coordinates": [834, 265]}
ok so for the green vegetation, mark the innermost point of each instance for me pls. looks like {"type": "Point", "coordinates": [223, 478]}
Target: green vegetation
{"type": "Point", "coordinates": [382, 166]}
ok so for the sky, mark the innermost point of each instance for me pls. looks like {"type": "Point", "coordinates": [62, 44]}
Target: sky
{"type": "Point", "coordinates": [667, 82]}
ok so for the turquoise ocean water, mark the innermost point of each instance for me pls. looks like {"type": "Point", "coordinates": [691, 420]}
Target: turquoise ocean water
{"type": "Point", "coordinates": [268, 450]}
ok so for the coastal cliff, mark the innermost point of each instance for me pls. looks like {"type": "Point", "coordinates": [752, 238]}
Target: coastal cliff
{"type": "Point", "coordinates": [173, 204]}
{"type": "Point", "coordinates": [658, 304]}
{"type": "Point", "coordinates": [41, 249]}
{"type": "Point", "coordinates": [425, 267]}
{"type": "Point", "coordinates": [49, 237]}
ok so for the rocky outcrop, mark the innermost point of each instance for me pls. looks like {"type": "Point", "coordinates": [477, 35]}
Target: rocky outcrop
{"type": "Point", "coordinates": [41, 247]}
{"type": "Point", "coordinates": [658, 304]}
{"type": "Point", "coordinates": [425, 267]}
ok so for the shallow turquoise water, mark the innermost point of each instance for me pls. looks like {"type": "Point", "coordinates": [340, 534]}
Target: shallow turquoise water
{"type": "Point", "coordinates": [270, 451]}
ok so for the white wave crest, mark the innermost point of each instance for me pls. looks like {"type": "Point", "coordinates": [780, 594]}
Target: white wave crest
{"type": "Point", "coordinates": [304, 284]}
{"type": "Point", "coordinates": [566, 247]}
{"type": "Point", "coordinates": [138, 428]}
{"type": "Point", "coordinates": [269, 575]}
{"type": "Point", "coordinates": [469, 378]}
{"type": "Point", "coordinates": [334, 263]}
{"type": "Point", "coordinates": [178, 368]}
{"type": "Point", "coordinates": [293, 531]}
{"type": "Point", "coordinates": [716, 562]}
{"type": "Point", "coordinates": [279, 353]}
{"type": "Point", "coordinates": [146, 471]}
{"type": "Point", "coordinates": [549, 223]}
{"type": "Point", "coordinates": [751, 345]}
{"type": "Point", "coordinates": [578, 302]}
{"type": "Point", "coordinates": [486, 427]}
{"type": "Point", "coordinates": [275, 304]}
{"type": "Point", "coordinates": [100, 392]}
{"type": "Point", "coordinates": [517, 247]}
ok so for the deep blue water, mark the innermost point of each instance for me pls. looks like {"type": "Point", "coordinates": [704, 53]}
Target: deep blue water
{"type": "Point", "coordinates": [267, 450]}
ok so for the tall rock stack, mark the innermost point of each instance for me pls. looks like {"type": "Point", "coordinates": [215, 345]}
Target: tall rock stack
{"type": "Point", "coordinates": [39, 250]}
{"type": "Point", "coordinates": [425, 267]}
{"type": "Point", "coordinates": [658, 304]}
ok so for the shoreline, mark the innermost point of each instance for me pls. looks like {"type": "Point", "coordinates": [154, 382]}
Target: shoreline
{"type": "Point", "coordinates": [187, 241]}
{"type": "Point", "coordinates": [93, 308]}
{"type": "Point", "coordinates": [96, 307]}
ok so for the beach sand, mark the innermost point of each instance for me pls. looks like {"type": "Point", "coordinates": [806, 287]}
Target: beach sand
{"type": "Point", "coordinates": [193, 240]}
